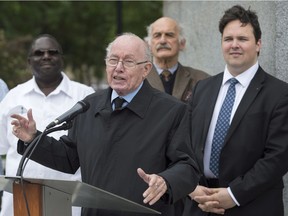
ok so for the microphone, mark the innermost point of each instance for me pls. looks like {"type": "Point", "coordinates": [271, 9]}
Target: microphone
{"type": "Point", "coordinates": [79, 107]}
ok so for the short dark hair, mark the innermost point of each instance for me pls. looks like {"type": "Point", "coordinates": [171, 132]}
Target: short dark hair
{"type": "Point", "coordinates": [237, 12]}
{"type": "Point", "coordinates": [45, 36]}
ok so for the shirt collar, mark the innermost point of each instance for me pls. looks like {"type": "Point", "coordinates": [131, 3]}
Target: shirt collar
{"type": "Point", "coordinates": [244, 78]}
{"type": "Point", "coordinates": [63, 87]}
{"type": "Point", "coordinates": [127, 97]}
{"type": "Point", "coordinates": [172, 69]}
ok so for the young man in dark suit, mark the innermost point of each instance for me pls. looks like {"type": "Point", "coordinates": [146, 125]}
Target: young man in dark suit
{"type": "Point", "coordinates": [245, 158]}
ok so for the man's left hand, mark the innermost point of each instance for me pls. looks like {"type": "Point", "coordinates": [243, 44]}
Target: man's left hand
{"type": "Point", "coordinates": [217, 202]}
{"type": "Point", "coordinates": [157, 187]}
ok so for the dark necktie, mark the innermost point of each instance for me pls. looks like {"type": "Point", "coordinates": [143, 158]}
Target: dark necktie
{"type": "Point", "coordinates": [166, 75]}
{"type": "Point", "coordinates": [118, 102]}
{"type": "Point", "coordinates": [222, 125]}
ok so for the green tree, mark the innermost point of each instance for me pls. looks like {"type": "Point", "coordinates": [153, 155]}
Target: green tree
{"type": "Point", "coordinates": [84, 29]}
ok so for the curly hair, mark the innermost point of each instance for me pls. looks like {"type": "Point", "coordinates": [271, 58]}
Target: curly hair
{"type": "Point", "coordinates": [237, 12]}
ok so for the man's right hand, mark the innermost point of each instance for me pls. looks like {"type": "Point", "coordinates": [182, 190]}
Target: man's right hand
{"type": "Point", "coordinates": [24, 129]}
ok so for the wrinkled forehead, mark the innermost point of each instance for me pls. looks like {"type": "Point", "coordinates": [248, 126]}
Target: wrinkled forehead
{"type": "Point", "coordinates": [164, 26]}
{"type": "Point", "coordinates": [127, 46]}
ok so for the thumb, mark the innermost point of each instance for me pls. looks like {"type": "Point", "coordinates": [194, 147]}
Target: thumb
{"type": "Point", "coordinates": [143, 175]}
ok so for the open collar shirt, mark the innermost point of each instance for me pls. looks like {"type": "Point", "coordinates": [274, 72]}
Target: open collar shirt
{"type": "Point", "coordinates": [44, 109]}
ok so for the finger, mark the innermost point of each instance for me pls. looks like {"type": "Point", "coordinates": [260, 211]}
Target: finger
{"type": "Point", "coordinates": [156, 198]}
{"type": "Point", "coordinates": [16, 116]}
{"type": "Point", "coordinates": [203, 199]}
{"type": "Point", "coordinates": [29, 115]}
{"type": "Point", "coordinates": [153, 194]}
{"type": "Point", "coordinates": [14, 131]}
{"type": "Point", "coordinates": [209, 205]}
{"type": "Point", "coordinates": [15, 123]}
{"type": "Point", "coordinates": [206, 208]}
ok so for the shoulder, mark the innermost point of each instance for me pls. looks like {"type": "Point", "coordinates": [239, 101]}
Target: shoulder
{"type": "Point", "coordinates": [193, 71]}
{"type": "Point", "coordinates": [164, 99]}
{"type": "Point", "coordinates": [270, 81]}
{"type": "Point", "coordinates": [21, 88]}
{"type": "Point", "coordinates": [81, 86]}
{"type": "Point", "coordinates": [98, 95]}
{"type": "Point", "coordinates": [76, 89]}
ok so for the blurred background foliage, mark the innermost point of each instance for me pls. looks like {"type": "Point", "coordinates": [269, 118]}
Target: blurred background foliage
{"type": "Point", "coordinates": [83, 28]}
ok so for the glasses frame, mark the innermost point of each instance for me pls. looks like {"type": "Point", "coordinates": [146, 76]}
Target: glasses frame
{"type": "Point", "coordinates": [41, 53]}
{"type": "Point", "coordinates": [123, 63]}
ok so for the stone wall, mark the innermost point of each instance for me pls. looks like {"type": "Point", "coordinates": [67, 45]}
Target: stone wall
{"type": "Point", "coordinates": [203, 49]}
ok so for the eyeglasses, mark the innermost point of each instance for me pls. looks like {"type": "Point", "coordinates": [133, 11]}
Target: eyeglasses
{"type": "Point", "coordinates": [127, 63]}
{"type": "Point", "coordinates": [40, 53]}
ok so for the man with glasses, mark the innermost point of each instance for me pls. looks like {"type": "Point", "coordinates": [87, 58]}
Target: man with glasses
{"type": "Point", "coordinates": [49, 93]}
{"type": "Point", "coordinates": [130, 142]}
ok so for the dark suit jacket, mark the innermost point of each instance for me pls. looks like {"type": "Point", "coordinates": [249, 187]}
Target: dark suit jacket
{"type": "Point", "coordinates": [110, 146]}
{"type": "Point", "coordinates": [255, 153]}
{"type": "Point", "coordinates": [185, 80]}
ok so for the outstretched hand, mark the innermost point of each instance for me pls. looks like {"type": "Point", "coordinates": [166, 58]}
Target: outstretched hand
{"type": "Point", "coordinates": [24, 129]}
{"type": "Point", "coordinates": [156, 187]}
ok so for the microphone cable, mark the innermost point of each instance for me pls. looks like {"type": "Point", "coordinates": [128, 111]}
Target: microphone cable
{"type": "Point", "coordinates": [30, 149]}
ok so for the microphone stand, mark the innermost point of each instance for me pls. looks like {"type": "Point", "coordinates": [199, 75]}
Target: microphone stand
{"type": "Point", "coordinates": [30, 149]}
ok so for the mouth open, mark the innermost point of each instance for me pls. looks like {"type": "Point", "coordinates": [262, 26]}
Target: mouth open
{"type": "Point", "coordinates": [117, 78]}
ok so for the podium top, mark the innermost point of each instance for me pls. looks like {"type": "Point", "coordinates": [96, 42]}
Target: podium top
{"type": "Point", "coordinates": [83, 195]}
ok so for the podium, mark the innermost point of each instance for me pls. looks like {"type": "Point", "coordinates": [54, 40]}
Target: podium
{"type": "Point", "coordinates": [49, 197]}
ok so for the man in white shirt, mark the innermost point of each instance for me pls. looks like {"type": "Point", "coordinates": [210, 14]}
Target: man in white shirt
{"type": "Point", "coordinates": [3, 91]}
{"type": "Point", "coordinates": [49, 93]}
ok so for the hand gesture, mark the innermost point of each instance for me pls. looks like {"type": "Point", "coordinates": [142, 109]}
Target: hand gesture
{"type": "Point", "coordinates": [24, 129]}
{"type": "Point", "coordinates": [157, 187]}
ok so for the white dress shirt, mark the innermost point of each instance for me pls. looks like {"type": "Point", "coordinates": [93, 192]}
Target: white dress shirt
{"type": "Point", "coordinates": [45, 109]}
{"type": "Point", "coordinates": [244, 80]}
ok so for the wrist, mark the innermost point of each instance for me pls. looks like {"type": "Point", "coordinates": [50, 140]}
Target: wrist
{"type": "Point", "coordinates": [32, 137]}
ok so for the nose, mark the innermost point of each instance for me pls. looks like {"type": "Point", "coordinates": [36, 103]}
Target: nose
{"type": "Point", "coordinates": [46, 54]}
{"type": "Point", "coordinates": [119, 66]}
{"type": "Point", "coordinates": [235, 44]}
{"type": "Point", "coordinates": [163, 39]}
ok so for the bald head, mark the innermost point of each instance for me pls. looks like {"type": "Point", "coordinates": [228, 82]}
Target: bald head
{"type": "Point", "coordinates": [165, 38]}
{"type": "Point", "coordinates": [131, 41]}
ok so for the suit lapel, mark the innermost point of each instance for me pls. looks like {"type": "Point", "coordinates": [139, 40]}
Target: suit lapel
{"type": "Point", "coordinates": [154, 80]}
{"type": "Point", "coordinates": [181, 81]}
{"type": "Point", "coordinates": [250, 95]}
{"type": "Point", "coordinates": [212, 96]}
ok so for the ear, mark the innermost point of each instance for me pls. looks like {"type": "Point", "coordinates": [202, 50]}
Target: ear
{"type": "Point", "coordinates": [28, 61]}
{"type": "Point", "coordinates": [259, 45]}
{"type": "Point", "coordinates": [182, 44]}
{"type": "Point", "coordinates": [147, 68]}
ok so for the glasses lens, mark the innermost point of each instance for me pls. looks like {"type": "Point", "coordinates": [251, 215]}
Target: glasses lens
{"type": "Point", "coordinates": [112, 62]}
{"type": "Point", "coordinates": [53, 52]}
{"type": "Point", "coordinates": [129, 63]}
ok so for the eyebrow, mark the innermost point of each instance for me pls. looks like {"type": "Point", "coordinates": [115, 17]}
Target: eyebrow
{"type": "Point", "coordinates": [126, 56]}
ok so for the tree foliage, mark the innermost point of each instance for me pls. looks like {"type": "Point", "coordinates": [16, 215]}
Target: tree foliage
{"type": "Point", "coordinates": [84, 29]}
